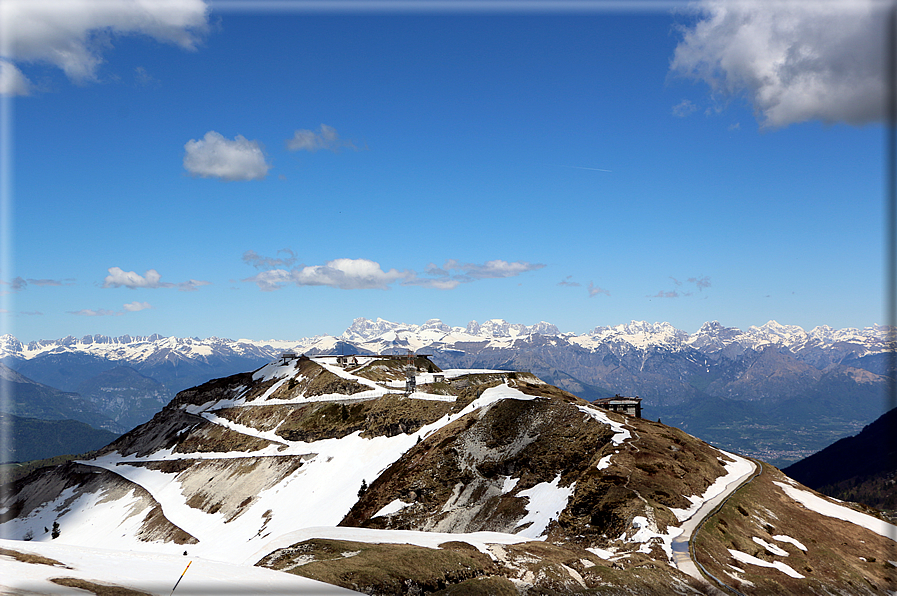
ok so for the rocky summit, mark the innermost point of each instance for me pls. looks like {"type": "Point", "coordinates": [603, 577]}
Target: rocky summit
{"type": "Point", "coordinates": [383, 474]}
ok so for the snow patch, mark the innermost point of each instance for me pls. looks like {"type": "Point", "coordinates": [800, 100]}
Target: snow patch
{"type": "Point", "coordinates": [393, 507]}
{"type": "Point", "coordinates": [620, 432]}
{"type": "Point", "coordinates": [783, 538]}
{"type": "Point", "coordinates": [771, 547]}
{"type": "Point", "coordinates": [751, 560]}
{"type": "Point", "coordinates": [546, 501]}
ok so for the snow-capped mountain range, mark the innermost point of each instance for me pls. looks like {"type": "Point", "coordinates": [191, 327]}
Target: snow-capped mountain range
{"type": "Point", "coordinates": [780, 376]}
{"type": "Point", "coordinates": [383, 336]}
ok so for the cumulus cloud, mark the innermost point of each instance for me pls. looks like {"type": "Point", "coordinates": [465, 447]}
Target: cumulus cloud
{"type": "Point", "coordinates": [151, 279]}
{"type": "Point", "coordinates": [130, 279]}
{"type": "Point", "coordinates": [214, 156]}
{"type": "Point", "coordinates": [12, 81]}
{"type": "Point", "coordinates": [595, 290]}
{"type": "Point", "coordinates": [345, 274]}
{"type": "Point", "coordinates": [73, 34]}
{"type": "Point", "coordinates": [326, 138]}
{"type": "Point", "coordinates": [792, 60]}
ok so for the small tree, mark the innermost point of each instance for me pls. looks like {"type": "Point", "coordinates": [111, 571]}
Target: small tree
{"type": "Point", "coordinates": [55, 532]}
{"type": "Point", "coordinates": [363, 489]}
{"type": "Point", "coordinates": [28, 535]}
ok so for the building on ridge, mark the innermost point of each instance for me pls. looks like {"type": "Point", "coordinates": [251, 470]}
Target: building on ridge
{"type": "Point", "coordinates": [631, 406]}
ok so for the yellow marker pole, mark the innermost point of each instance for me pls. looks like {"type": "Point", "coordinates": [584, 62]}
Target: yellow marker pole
{"type": "Point", "coordinates": [180, 578]}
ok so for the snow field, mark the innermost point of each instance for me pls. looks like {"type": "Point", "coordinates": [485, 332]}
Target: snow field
{"type": "Point", "coordinates": [155, 573]}
{"type": "Point", "coordinates": [830, 509]}
{"type": "Point", "coordinates": [319, 493]}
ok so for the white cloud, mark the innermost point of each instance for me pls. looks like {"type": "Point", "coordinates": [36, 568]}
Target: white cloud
{"type": "Point", "coordinates": [72, 34]}
{"type": "Point", "coordinates": [12, 81]}
{"type": "Point", "coordinates": [327, 138]}
{"type": "Point", "coordinates": [217, 157]}
{"type": "Point", "coordinates": [353, 274]}
{"type": "Point", "coordinates": [793, 60]}
{"type": "Point", "coordinates": [345, 274]}
{"type": "Point", "coordinates": [151, 279]}
{"type": "Point", "coordinates": [136, 306]}
{"type": "Point", "coordinates": [130, 279]}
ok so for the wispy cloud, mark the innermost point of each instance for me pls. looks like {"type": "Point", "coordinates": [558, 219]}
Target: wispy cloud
{"type": "Point", "coordinates": [144, 78]}
{"type": "Point", "coordinates": [454, 273]}
{"type": "Point", "coordinates": [151, 279]}
{"type": "Point", "coordinates": [20, 283]}
{"type": "Point", "coordinates": [699, 282]}
{"type": "Point", "coordinates": [251, 257]}
{"type": "Point", "coordinates": [103, 312]}
{"type": "Point", "coordinates": [214, 156]}
{"type": "Point", "coordinates": [586, 168]}
{"type": "Point", "coordinates": [325, 138]}
{"type": "Point", "coordinates": [662, 294]}
{"type": "Point", "coordinates": [570, 284]}
{"type": "Point", "coordinates": [684, 108]}
{"type": "Point", "coordinates": [86, 312]}
{"type": "Point", "coordinates": [595, 290]}
{"type": "Point", "coordinates": [136, 306]}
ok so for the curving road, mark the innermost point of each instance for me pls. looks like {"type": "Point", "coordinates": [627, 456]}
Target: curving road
{"type": "Point", "coordinates": [681, 554]}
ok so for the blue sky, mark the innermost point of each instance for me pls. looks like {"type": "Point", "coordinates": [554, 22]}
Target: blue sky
{"type": "Point", "coordinates": [235, 173]}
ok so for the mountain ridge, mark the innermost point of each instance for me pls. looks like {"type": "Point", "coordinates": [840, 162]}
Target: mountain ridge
{"type": "Point", "coordinates": [487, 481]}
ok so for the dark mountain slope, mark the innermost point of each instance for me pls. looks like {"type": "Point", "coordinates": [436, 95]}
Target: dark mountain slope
{"type": "Point", "coordinates": [861, 468]}
{"type": "Point", "coordinates": [32, 439]}
{"type": "Point", "coordinates": [31, 399]}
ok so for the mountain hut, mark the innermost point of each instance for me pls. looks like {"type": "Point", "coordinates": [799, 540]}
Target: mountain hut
{"type": "Point", "coordinates": [631, 406]}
